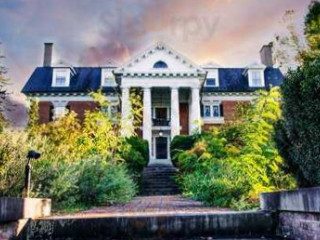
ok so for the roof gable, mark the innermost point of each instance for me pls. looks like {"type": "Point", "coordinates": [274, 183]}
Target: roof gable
{"type": "Point", "coordinates": [160, 52]}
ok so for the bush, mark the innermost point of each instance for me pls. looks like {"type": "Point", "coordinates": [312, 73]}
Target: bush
{"type": "Point", "coordinates": [81, 164]}
{"type": "Point", "coordinates": [103, 183]}
{"type": "Point", "coordinates": [135, 152]}
{"type": "Point", "coordinates": [181, 143]}
{"type": "Point", "coordinates": [231, 165]}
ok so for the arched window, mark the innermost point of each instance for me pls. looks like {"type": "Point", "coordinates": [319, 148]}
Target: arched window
{"type": "Point", "coordinates": [160, 64]}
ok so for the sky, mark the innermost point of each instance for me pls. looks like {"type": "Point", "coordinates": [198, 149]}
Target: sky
{"type": "Point", "coordinates": [94, 32]}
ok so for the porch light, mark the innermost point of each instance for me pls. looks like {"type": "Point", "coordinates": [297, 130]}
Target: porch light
{"type": "Point", "coordinates": [160, 133]}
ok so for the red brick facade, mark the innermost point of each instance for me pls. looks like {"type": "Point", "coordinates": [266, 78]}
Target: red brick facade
{"type": "Point", "coordinates": [46, 109]}
{"type": "Point", "coordinates": [81, 107]}
{"type": "Point", "coordinates": [45, 112]}
{"type": "Point", "coordinates": [229, 112]}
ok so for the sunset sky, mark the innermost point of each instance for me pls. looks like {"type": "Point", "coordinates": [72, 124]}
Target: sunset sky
{"type": "Point", "coordinates": [86, 32]}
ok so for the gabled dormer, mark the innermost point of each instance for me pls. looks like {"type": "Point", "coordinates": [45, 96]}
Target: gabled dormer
{"type": "Point", "coordinates": [212, 79]}
{"type": "Point", "coordinates": [255, 74]}
{"type": "Point", "coordinates": [61, 77]}
{"type": "Point", "coordinates": [108, 78]}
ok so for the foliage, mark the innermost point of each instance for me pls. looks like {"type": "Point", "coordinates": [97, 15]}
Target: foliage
{"type": "Point", "coordinates": [135, 152]}
{"type": "Point", "coordinates": [229, 166]}
{"type": "Point", "coordinates": [312, 31]}
{"type": "Point", "coordinates": [81, 164]}
{"type": "Point", "coordinates": [180, 143]}
{"type": "Point", "coordinates": [3, 94]}
{"type": "Point", "coordinates": [298, 132]}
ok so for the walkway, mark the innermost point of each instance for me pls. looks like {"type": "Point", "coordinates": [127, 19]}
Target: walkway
{"type": "Point", "coordinates": [147, 206]}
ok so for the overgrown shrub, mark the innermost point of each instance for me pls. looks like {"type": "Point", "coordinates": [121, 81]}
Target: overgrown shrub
{"type": "Point", "coordinates": [135, 152]}
{"type": "Point", "coordinates": [231, 165]}
{"type": "Point", "coordinates": [181, 143]}
{"type": "Point", "coordinates": [81, 164]}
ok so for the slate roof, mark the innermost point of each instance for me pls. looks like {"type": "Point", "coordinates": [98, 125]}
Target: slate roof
{"type": "Point", "coordinates": [88, 79]}
{"type": "Point", "coordinates": [233, 80]}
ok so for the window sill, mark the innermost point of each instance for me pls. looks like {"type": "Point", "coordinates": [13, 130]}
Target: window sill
{"type": "Point", "coordinates": [214, 120]}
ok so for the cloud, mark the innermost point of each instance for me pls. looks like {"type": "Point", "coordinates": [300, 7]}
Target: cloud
{"type": "Point", "coordinates": [86, 32]}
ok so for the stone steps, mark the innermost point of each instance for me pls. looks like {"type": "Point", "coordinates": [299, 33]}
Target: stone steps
{"type": "Point", "coordinates": [159, 180]}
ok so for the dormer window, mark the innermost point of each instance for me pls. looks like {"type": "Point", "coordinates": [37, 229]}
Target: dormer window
{"type": "Point", "coordinates": [61, 77]}
{"type": "Point", "coordinates": [212, 78]}
{"type": "Point", "coordinates": [160, 64]}
{"type": "Point", "coordinates": [256, 78]}
{"type": "Point", "coordinates": [107, 78]}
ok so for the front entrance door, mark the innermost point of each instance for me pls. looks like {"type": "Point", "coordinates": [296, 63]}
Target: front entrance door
{"type": "Point", "coordinates": [161, 148]}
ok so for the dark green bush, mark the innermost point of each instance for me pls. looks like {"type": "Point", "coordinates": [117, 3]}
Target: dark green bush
{"type": "Point", "coordinates": [135, 152]}
{"type": "Point", "coordinates": [181, 143]}
{"type": "Point", "coordinates": [103, 183]}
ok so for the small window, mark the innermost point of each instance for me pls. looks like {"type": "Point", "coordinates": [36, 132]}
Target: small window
{"type": "Point", "coordinates": [160, 64]}
{"type": "Point", "coordinates": [216, 110]}
{"type": "Point", "coordinates": [61, 78]}
{"type": "Point", "coordinates": [256, 78]}
{"type": "Point", "coordinates": [108, 79]}
{"type": "Point", "coordinates": [111, 110]}
{"type": "Point", "coordinates": [212, 111]}
{"type": "Point", "coordinates": [60, 112]}
{"type": "Point", "coordinates": [212, 78]}
{"type": "Point", "coordinates": [207, 111]}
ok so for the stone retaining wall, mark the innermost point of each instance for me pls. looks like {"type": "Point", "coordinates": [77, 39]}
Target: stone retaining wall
{"type": "Point", "coordinates": [16, 212]}
{"type": "Point", "coordinates": [298, 212]}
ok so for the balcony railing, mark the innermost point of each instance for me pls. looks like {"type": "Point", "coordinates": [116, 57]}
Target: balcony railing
{"type": "Point", "coordinates": [160, 122]}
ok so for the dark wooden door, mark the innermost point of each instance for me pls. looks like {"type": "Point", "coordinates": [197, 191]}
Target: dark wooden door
{"type": "Point", "coordinates": [162, 148]}
{"type": "Point", "coordinates": [184, 118]}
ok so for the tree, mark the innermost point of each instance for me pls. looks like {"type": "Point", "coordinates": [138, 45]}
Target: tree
{"type": "Point", "coordinates": [3, 93]}
{"type": "Point", "coordinates": [312, 31]}
{"type": "Point", "coordinates": [298, 133]}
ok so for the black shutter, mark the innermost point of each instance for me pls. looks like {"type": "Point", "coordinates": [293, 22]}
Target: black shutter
{"type": "Point", "coordinates": [51, 113]}
{"type": "Point", "coordinates": [221, 109]}
{"type": "Point", "coordinates": [201, 109]}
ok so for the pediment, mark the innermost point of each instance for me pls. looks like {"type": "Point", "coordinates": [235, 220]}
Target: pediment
{"type": "Point", "coordinates": [161, 55]}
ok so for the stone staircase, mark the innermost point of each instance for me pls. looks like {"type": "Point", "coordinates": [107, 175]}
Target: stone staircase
{"type": "Point", "coordinates": [159, 180]}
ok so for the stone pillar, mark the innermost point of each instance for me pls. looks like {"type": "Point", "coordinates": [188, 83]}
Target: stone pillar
{"type": "Point", "coordinates": [195, 115]}
{"type": "Point", "coordinates": [175, 112]}
{"type": "Point", "coordinates": [147, 117]}
{"type": "Point", "coordinates": [126, 117]}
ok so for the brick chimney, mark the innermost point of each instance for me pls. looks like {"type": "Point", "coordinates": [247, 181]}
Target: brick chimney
{"type": "Point", "coordinates": [47, 60]}
{"type": "Point", "coordinates": [266, 55]}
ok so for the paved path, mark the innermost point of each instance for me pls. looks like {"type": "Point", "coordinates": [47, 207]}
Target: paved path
{"type": "Point", "coordinates": [147, 206]}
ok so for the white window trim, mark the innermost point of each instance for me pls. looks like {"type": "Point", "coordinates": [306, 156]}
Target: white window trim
{"type": "Point", "coordinates": [107, 72]}
{"type": "Point", "coordinates": [211, 105]}
{"type": "Point", "coordinates": [154, 111]}
{"type": "Point", "coordinates": [216, 72]}
{"type": "Point", "coordinates": [250, 74]}
{"type": "Point", "coordinates": [65, 71]}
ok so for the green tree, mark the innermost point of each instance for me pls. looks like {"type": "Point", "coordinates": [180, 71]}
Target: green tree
{"type": "Point", "coordinates": [298, 133]}
{"type": "Point", "coordinates": [312, 31]}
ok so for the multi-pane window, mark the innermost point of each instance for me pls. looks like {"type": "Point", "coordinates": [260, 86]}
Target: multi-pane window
{"type": "Point", "coordinates": [61, 77]}
{"type": "Point", "coordinates": [60, 112]}
{"type": "Point", "coordinates": [212, 111]}
{"type": "Point", "coordinates": [111, 110]}
{"type": "Point", "coordinates": [256, 78]}
{"type": "Point", "coordinates": [108, 79]}
{"type": "Point", "coordinates": [212, 78]}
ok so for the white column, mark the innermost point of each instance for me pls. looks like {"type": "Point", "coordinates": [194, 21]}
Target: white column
{"type": "Point", "coordinates": [126, 118]}
{"type": "Point", "coordinates": [195, 121]}
{"type": "Point", "coordinates": [147, 117]}
{"type": "Point", "coordinates": [175, 113]}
